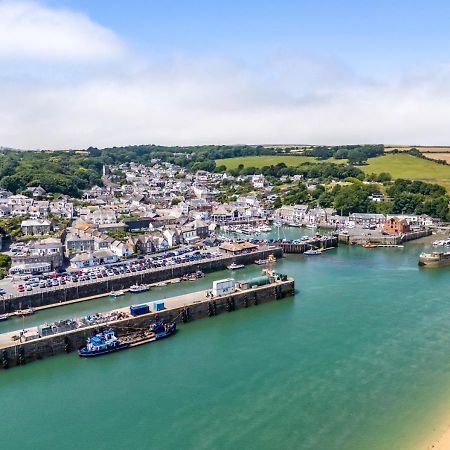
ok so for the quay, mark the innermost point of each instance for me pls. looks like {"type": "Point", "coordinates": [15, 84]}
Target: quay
{"type": "Point", "coordinates": [99, 287]}
{"type": "Point", "coordinates": [19, 347]}
{"type": "Point", "coordinates": [380, 239]}
{"type": "Point", "coordinates": [324, 243]}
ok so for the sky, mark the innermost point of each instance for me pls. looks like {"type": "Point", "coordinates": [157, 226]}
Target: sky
{"type": "Point", "coordinates": [80, 73]}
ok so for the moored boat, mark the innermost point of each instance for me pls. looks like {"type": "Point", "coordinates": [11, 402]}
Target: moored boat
{"type": "Point", "coordinates": [161, 284]}
{"type": "Point", "coordinates": [24, 312]}
{"type": "Point", "coordinates": [107, 342]}
{"type": "Point", "coordinates": [262, 262]}
{"type": "Point", "coordinates": [137, 288]}
{"type": "Point", "coordinates": [312, 252]}
{"type": "Point", "coordinates": [434, 259]}
{"type": "Point", "coordinates": [370, 245]}
{"type": "Point", "coordinates": [234, 266]}
{"type": "Point", "coordinates": [115, 294]}
{"type": "Point", "coordinates": [4, 317]}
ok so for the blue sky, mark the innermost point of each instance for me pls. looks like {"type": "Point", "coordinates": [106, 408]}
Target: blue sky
{"type": "Point", "coordinates": [96, 72]}
{"type": "Point", "coordinates": [380, 36]}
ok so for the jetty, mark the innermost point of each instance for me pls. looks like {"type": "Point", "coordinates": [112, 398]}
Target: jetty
{"type": "Point", "coordinates": [322, 243]}
{"type": "Point", "coordinates": [99, 287]}
{"type": "Point", "coordinates": [23, 346]}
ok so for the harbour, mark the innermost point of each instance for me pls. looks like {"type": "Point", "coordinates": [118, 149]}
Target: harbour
{"type": "Point", "coordinates": [22, 346]}
{"type": "Point", "coordinates": [342, 348]}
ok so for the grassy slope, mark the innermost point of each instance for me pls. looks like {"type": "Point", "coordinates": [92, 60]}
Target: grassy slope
{"type": "Point", "coordinates": [260, 161]}
{"type": "Point", "coordinates": [407, 166]}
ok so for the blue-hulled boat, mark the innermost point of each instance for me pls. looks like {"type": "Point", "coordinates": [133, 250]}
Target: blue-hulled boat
{"type": "Point", "coordinates": [102, 343]}
{"type": "Point", "coordinates": [107, 342]}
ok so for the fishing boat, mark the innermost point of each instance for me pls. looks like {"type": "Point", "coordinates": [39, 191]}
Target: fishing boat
{"type": "Point", "coordinates": [137, 288]}
{"type": "Point", "coordinates": [107, 342]}
{"type": "Point", "coordinates": [115, 294]}
{"type": "Point", "coordinates": [262, 262]}
{"type": "Point", "coordinates": [434, 259]}
{"type": "Point", "coordinates": [24, 312]}
{"type": "Point", "coordinates": [312, 252]}
{"type": "Point", "coordinates": [234, 266]}
{"type": "Point", "coordinates": [194, 276]}
{"type": "Point", "coordinates": [3, 317]}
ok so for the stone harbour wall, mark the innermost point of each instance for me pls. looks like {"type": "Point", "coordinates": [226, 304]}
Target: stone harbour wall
{"type": "Point", "coordinates": [105, 285]}
{"type": "Point", "coordinates": [21, 353]}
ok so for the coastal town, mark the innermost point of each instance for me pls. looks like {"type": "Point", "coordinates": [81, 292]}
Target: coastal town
{"type": "Point", "coordinates": [152, 209]}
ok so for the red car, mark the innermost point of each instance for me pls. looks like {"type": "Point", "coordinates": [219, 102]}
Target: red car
{"type": "Point", "coordinates": [21, 288]}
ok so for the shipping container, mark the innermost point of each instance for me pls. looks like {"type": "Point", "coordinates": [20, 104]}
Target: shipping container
{"type": "Point", "coordinates": [222, 287]}
{"type": "Point", "coordinates": [137, 310]}
{"type": "Point", "coordinates": [158, 306]}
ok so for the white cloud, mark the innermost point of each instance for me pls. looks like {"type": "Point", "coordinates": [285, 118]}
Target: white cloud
{"type": "Point", "coordinates": [195, 101]}
{"type": "Point", "coordinates": [31, 31]}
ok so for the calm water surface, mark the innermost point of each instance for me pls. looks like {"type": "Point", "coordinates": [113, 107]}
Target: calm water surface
{"type": "Point", "coordinates": [357, 360]}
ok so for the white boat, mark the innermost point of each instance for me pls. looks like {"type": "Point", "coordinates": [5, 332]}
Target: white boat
{"type": "Point", "coordinates": [3, 317]}
{"type": "Point", "coordinates": [312, 226]}
{"type": "Point", "coordinates": [175, 280]}
{"type": "Point", "coordinates": [235, 266]}
{"type": "Point", "coordinates": [264, 228]}
{"type": "Point", "coordinates": [312, 252]}
{"type": "Point", "coordinates": [115, 294]}
{"type": "Point", "coordinates": [24, 312]}
{"type": "Point", "coordinates": [277, 223]}
{"type": "Point", "coordinates": [161, 284]}
{"type": "Point", "coordinates": [293, 224]}
{"type": "Point", "coordinates": [136, 288]}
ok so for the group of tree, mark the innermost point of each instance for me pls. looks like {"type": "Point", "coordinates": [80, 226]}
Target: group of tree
{"type": "Point", "coordinates": [406, 197]}
{"type": "Point", "coordinates": [355, 154]}
{"type": "Point", "coordinates": [70, 172]}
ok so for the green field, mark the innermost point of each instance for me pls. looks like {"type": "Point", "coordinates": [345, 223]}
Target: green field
{"type": "Point", "coordinates": [398, 165]}
{"type": "Point", "coordinates": [408, 166]}
{"type": "Point", "coordinates": [271, 160]}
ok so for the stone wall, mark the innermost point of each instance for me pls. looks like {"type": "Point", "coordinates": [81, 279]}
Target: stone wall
{"type": "Point", "coordinates": [307, 245]}
{"type": "Point", "coordinates": [105, 285]}
{"type": "Point", "coordinates": [20, 353]}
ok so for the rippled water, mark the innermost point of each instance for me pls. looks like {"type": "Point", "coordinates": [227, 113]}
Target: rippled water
{"type": "Point", "coordinates": [357, 360]}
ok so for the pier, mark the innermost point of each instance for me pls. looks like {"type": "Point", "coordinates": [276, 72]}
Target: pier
{"type": "Point", "coordinates": [98, 287]}
{"type": "Point", "coordinates": [323, 243]}
{"type": "Point", "coordinates": [382, 239]}
{"type": "Point", "coordinates": [17, 348]}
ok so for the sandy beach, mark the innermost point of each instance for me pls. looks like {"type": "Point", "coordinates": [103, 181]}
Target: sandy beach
{"type": "Point", "coordinates": [442, 442]}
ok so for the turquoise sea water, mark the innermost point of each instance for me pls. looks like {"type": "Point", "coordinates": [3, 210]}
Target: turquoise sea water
{"type": "Point", "coordinates": [357, 360]}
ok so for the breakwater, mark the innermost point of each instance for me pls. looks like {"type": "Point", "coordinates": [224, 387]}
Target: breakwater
{"type": "Point", "coordinates": [186, 308]}
{"type": "Point", "coordinates": [66, 293]}
{"type": "Point", "coordinates": [316, 243]}
{"type": "Point", "coordinates": [395, 239]}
